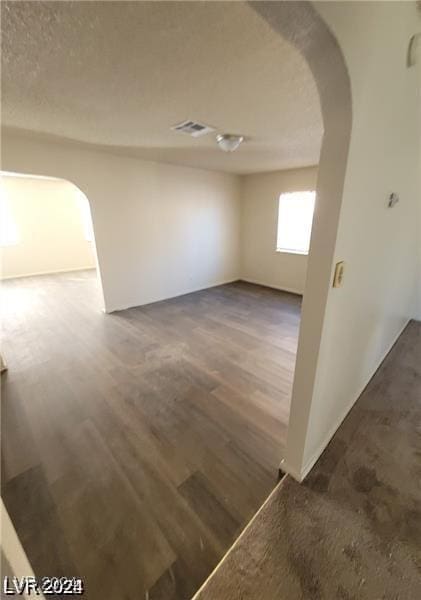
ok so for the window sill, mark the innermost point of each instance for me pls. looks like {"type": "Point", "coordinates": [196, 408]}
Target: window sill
{"type": "Point", "coordinates": [299, 252]}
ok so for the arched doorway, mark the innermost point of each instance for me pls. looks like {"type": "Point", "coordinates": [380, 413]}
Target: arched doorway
{"type": "Point", "coordinates": [302, 26]}
{"type": "Point", "coordinates": [46, 229]}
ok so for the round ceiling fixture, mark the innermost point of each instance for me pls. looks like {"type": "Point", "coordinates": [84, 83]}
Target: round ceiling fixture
{"type": "Point", "coordinates": [228, 142]}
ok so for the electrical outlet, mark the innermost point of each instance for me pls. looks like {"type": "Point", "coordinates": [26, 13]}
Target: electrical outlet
{"type": "Point", "coordinates": [339, 274]}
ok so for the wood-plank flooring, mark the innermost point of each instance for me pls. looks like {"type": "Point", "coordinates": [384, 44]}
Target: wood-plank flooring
{"type": "Point", "coordinates": [352, 529]}
{"type": "Point", "coordinates": [137, 445]}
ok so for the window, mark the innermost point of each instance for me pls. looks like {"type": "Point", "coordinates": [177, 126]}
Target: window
{"type": "Point", "coordinates": [295, 217]}
{"type": "Point", "coordinates": [8, 229]}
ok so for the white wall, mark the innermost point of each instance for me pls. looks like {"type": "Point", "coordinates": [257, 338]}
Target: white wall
{"type": "Point", "coordinates": [14, 561]}
{"type": "Point", "coordinates": [50, 227]}
{"type": "Point", "coordinates": [260, 262]}
{"type": "Point", "coordinates": [379, 245]}
{"type": "Point", "coordinates": [346, 332]}
{"type": "Point", "coordinates": [160, 230]}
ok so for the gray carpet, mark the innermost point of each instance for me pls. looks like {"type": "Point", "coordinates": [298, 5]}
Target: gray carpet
{"type": "Point", "coordinates": [353, 529]}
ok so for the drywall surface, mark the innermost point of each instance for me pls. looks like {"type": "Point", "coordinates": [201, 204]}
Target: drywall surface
{"type": "Point", "coordinates": [50, 229]}
{"type": "Point", "coordinates": [260, 261]}
{"type": "Point", "coordinates": [160, 230]}
{"type": "Point", "coordinates": [378, 244]}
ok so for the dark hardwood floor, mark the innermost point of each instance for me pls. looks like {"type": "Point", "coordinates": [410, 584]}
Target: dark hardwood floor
{"type": "Point", "coordinates": [352, 529]}
{"type": "Point", "coordinates": [137, 445]}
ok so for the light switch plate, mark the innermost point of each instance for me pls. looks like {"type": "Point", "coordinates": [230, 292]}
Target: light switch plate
{"type": "Point", "coordinates": [339, 274]}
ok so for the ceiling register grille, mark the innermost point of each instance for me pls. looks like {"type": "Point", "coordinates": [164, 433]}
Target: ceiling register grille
{"type": "Point", "coordinates": [193, 128]}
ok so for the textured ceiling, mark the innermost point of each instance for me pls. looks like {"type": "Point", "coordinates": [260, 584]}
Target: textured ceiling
{"type": "Point", "coordinates": [120, 74]}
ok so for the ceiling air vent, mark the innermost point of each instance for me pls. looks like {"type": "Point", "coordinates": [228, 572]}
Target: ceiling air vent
{"type": "Point", "coordinates": [193, 128]}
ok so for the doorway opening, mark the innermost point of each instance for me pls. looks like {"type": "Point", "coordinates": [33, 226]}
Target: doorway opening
{"type": "Point", "coordinates": [46, 231]}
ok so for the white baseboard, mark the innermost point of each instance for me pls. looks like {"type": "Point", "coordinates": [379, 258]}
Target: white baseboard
{"type": "Point", "coordinates": [271, 285]}
{"type": "Point", "coordinates": [300, 476]}
{"type": "Point", "coordinates": [90, 268]}
{"type": "Point", "coordinates": [184, 293]}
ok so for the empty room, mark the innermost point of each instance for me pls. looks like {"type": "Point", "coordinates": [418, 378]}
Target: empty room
{"type": "Point", "coordinates": [210, 304]}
